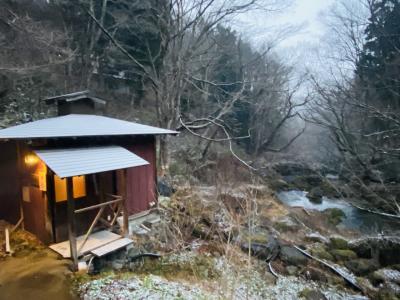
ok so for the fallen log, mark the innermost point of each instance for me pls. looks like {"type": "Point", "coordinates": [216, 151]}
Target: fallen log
{"type": "Point", "coordinates": [344, 273]}
{"type": "Point", "coordinates": [376, 212]}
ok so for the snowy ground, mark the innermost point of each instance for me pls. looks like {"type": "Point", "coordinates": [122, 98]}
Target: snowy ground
{"type": "Point", "coordinates": [232, 284]}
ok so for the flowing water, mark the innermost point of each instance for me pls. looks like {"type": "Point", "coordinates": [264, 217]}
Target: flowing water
{"type": "Point", "coordinates": [356, 219]}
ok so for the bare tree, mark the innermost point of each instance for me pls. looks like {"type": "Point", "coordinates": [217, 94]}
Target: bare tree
{"type": "Point", "coordinates": [350, 109]}
{"type": "Point", "coordinates": [185, 31]}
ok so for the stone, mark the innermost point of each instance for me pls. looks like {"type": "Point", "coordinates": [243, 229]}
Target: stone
{"type": "Point", "coordinates": [292, 168]}
{"type": "Point", "coordinates": [279, 185]}
{"type": "Point", "coordinates": [265, 251]}
{"type": "Point", "coordinates": [286, 224]}
{"type": "Point", "coordinates": [320, 251]}
{"type": "Point", "coordinates": [315, 195]}
{"type": "Point", "coordinates": [118, 264]}
{"type": "Point", "coordinates": [315, 274]}
{"type": "Point", "coordinates": [335, 215]}
{"type": "Point", "coordinates": [316, 237]}
{"type": "Point", "coordinates": [386, 275]}
{"type": "Point", "coordinates": [310, 294]}
{"type": "Point", "coordinates": [343, 255]}
{"type": "Point", "coordinates": [362, 266]}
{"type": "Point", "coordinates": [336, 242]}
{"type": "Point", "coordinates": [164, 188]}
{"type": "Point", "coordinates": [292, 256]}
{"type": "Point", "coordinates": [292, 270]}
{"type": "Point", "coordinates": [385, 250]}
{"type": "Point", "coordinates": [133, 253]}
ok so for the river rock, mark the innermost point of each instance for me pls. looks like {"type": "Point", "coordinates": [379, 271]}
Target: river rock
{"type": "Point", "coordinates": [292, 256]}
{"type": "Point", "coordinates": [292, 270]}
{"type": "Point", "coordinates": [334, 215]}
{"type": "Point", "coordinates": [292, 168]}
{"type": "Point", "coordinates": [337, 242]}
{"type": "Point", "coordinates": [316, 237]}
{"type": "Point", "coordinates": [385, 250]}
{"type": "Point", "coordinates": [309, 294]}
{"type": "Point", "coordinates": [279, 185]}
{"type": "Point", "coordinates": [287, 223]}
{"type": "Point", "coordinates": [343, 255]}
{"type": "Point", "coordinates": [315, 195]}
{"type": "Point", "coordinates": [315, 274]}
{"type": "Point", "coordinates": [265, 251]}
{"type": "Point", "coordinates": [362, 266]}
{"type": "Point", "coordinates": [118, 264]}
{"type": "Point", "coordinates": [319, 250]}
{"type": "Point", "coordinates": [386, 275]}
{"type": "Point", "coordinates": [164, 188]}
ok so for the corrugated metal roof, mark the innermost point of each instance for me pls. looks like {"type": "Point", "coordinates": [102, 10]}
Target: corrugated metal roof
{"type": "Point", "coordinates": [76, 125]}
{"type": "Point", "coordinates": [75, 97]}
{"type": "Point", "coordinates": [81, 161]}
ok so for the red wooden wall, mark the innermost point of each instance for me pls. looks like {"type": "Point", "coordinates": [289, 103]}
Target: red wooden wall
{"type": "Point", "coordinates": [10, 191]}
{"type": "Point", "coordinates": [141, 181]}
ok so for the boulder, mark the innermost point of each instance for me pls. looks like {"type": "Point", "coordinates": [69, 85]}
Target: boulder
{"type": "Point", "coordinates": [316, 237]}
{"type": "Point", "coordinates": [319, 251]}
{"type": "Point", "coordinates": [287, 224]}
{"type": "Point", "coordinates": [386, 275]}
{"type": "Point", "coordinates": [315, 274]}
{"type": "Point", "coordinates": [310, 294]}
{"type": "Point", "coordinates": [335, 215]}
{"type": "Point", "coordinates": [279, 185]}
{"type": "Point", "coordinates": [385, 250]}
{"type": "Point", "coordinates": [315, 195]}
{"type": "Point", "coordinates": [292, 168]}
{"type": "Point", "coordinates": [265, 251]}
{"type": "Point", "coordinates": [343, 255]}
{"type": "Point", "coordinates": [164, 188]}
{"type": "Point", "coordinates": [362, 266]}
{"type": "Point", "coordinates": [292, 270]}
{"type": "Point", "coordinates": [337, 242]}
{"type": "Point", "coordinates": [292, 256]}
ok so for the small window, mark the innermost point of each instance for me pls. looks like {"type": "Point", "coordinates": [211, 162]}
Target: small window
{"type": "Point", "coordinates": [79, 184]}
{"type": "Point", "coordinates": [60, 186]}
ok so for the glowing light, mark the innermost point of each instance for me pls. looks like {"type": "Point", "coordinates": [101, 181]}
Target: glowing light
{"type": "Point", "coordinates": [31, 159]}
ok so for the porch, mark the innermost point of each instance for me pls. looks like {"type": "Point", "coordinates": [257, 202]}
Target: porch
{"type": "Point", "coordinates": [104, 234]}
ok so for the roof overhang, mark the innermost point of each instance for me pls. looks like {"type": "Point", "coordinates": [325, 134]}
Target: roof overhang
{"type": "Point", "coordinates": [70, 162]}
{"type": "Point", "coordinates": [79, 125]}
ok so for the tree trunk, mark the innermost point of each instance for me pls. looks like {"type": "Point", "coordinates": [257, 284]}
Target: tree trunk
{"type": "Point", "coordinates": [164, 154]}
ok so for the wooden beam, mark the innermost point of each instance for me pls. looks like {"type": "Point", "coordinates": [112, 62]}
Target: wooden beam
{"type": "Point", "coordinates": [51, 199]}
{"type": "Point", "coordinates": [97, 205]}
{"type": "Point", "coordinates": [20, 168]}
{"type": "Point", "coordinates": [125, 217]}
{"type": "Point", "coordinates": [71, 224]}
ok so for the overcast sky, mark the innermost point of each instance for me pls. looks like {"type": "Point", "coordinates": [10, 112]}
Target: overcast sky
{"type": "Point", "coordinates": [301, 26]}
{"type": "Point", "coordinates": [303, 15]}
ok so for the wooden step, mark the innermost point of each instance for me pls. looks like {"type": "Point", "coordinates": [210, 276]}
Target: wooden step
{"type": "Point", "coordinates": [110, 247]}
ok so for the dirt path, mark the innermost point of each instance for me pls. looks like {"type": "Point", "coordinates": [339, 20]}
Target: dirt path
{"type": "Point", "coordinates": [39, 275]}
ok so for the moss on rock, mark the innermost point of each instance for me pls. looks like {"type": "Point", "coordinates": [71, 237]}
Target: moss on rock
{"type": "Point", "coordinates": [335, 215]}
{"type": "Point", "coordinates": [338, 243]}
{"type": "Point", "coordinates": [343, 255]}
{"type": "Point", "coordinates": [320, 251]}
{"type": "Point", "coordinates": [310, 294]}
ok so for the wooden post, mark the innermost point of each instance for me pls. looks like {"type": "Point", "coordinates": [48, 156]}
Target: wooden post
{"type": "Point", "coordinates": [71, 224]}
{"type": "Point", "coordinates": [51, 200]}
{"type": "Point", "coordinates": [125, 229]}
{"type": "Point", "coordinates": [20, 173]}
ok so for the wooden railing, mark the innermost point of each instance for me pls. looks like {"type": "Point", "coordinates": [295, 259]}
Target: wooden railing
{"type": "Point", "coordinates": [116, 207]}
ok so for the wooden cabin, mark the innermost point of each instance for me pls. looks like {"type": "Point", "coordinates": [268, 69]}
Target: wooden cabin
{"type": "Point", "coordinates": [73, 180]}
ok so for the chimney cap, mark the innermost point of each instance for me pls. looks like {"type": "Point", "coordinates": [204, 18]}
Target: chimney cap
{"type": "Point", "coordinates": [75, 97]}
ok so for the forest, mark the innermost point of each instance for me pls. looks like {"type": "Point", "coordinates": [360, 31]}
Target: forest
{"type": "Point", "coordinates": [321, 137]}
